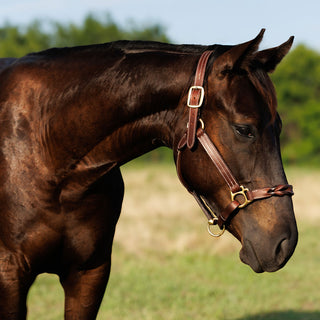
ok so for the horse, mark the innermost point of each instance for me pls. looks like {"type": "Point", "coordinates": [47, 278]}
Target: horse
{"type": "Point", "coordinates": [71, 117]}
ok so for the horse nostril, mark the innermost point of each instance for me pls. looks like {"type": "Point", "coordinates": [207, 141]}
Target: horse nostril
{"type": "Point", "coordinates": [283, 251]}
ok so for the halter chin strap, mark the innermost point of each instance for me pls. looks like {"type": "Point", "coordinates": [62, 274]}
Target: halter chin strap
{"type": "Point", "coordinates": [240, 196]}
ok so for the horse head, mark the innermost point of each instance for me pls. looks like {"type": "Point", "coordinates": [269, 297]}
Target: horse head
{"type": "Point", "coordinates": [239, 119]}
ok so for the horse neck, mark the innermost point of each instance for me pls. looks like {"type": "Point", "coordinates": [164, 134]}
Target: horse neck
{"type": "Point", "coordinates": [128, 109]}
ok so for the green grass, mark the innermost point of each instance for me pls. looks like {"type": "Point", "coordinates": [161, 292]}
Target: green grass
{"type": "Point", "coordinates": [196, 285]}
{"type": "Point", "coordinates": [154, 278]}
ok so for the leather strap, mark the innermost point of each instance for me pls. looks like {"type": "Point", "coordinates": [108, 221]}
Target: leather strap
{"type": "Point", "coordinates": [232, 208]}
{"type": "Point", "coordinates": [194, 98]}
{"type": "Point", "coordinates": [258, 194]}
{"type": "Point", "coordinates": [218, 161]}
{"type": "Point", "coordinates": [279, 190]}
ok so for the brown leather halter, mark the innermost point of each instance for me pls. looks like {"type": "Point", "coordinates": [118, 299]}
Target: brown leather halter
{"type": "Point", "coordinates": [240, 196]}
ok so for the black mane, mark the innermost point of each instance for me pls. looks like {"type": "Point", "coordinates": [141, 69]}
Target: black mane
{"type": "Point", "coordinates": [136, 46]}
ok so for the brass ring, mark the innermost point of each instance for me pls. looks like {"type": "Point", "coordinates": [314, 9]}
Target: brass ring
{"type": "Point", "coordinates": [212, 233]}
{"type": "Point", "coordinates": [202, 123]}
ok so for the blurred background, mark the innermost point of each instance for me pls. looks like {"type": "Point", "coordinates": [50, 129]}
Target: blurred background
{"type": "Point", "coordinates": [165, 266]}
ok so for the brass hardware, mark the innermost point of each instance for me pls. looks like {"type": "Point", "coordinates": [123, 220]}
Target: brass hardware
{"type": "Point", "coordinates": [201, 122]}
{"type": "Point", "coordinates": [214, 222]}
{"type": "Point", "coordinates": [242, 193]}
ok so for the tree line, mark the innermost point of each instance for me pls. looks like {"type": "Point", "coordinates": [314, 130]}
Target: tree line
{"type": "Point", "coordinates": [297, 78]}
{"type": "Point", "coordinates": [297, 82]}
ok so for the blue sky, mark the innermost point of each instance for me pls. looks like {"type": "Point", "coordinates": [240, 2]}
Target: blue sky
{"type": "Point", "coordinates": [196, 21]}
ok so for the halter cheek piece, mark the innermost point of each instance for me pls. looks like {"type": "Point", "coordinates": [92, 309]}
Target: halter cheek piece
{"type": "Point", "coordinates": [240, 196]}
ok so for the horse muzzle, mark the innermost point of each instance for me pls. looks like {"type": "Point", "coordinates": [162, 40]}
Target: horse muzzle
{"type": "Point", "coordinates": [270, 252]}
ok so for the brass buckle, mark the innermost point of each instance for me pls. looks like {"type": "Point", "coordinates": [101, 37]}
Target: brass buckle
{"type": "Point", "coordinates": [214, 222]}
{"type": "Point", "coordinates": [242, 193]}
{"type": "Point", "coordinates": [200, 99]}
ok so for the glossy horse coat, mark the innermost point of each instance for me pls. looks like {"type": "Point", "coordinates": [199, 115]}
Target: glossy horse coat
{"type": "Point", "coordinates": [71, 117]}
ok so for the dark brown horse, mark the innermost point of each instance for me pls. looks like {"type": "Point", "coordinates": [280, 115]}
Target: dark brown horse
{"type": "Point", "coordinates": [71, 117]}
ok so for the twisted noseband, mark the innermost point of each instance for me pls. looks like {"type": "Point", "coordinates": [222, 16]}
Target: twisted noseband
{"type": "Point", "coordinates": [240, 196]}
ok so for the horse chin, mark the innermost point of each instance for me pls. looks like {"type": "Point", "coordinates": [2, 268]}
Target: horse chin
{"type": "Point", "coordinates": [249, 257]}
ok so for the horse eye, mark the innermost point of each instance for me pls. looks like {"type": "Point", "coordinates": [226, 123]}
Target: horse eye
{"type": "Point", "coordinates": [244, 131]}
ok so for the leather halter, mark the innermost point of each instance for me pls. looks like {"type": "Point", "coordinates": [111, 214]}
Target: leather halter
{"type": "Point", "coordinates": [240, 196]}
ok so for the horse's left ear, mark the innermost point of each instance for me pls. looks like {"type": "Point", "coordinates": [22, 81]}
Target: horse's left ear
{"type": "Point", "coordinates": [268, 59]}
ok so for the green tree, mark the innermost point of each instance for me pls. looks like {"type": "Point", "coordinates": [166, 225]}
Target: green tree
{"type": "Point", "coordinates": [16, 41]}
{"type": "Point", "coordinates": [297, 81]}
{"type": "Point", "coordinates": [94, 30]}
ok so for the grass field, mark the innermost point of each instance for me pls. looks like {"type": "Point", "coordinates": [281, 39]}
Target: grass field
{"type": "Point", "coordinates": [166, 266]}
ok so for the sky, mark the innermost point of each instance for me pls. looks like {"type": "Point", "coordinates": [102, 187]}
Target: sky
{"type": "Point", "coordinates": [187, 21]}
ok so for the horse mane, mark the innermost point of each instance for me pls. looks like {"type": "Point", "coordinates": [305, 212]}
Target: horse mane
{"type": "Point", "coordinates": [146, 46]}
{"type": "Point", "coordinates": [125, 47]}
{"type": "Point", "coordinates": [135, 46]}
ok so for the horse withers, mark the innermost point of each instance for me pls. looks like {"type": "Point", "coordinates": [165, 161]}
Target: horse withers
{"type": "Point", "coordinates": [71, 117]}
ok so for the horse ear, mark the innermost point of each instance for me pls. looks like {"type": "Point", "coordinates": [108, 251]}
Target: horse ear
{"type": "Point", "coordinates": [237, 56]}
{"type": "Point", "coordinates": [268, 59]}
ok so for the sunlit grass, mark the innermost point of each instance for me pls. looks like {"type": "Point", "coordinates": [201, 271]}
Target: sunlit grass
{"type": "Point", "coordinates": [193, 285]}
{"type": "Point", "coordinates": [46, 299]}
{"type": "Point", "coordinates": [165, 266]}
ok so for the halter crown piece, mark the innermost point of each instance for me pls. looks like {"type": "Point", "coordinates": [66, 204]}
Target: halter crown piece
{"type": "Point", "coordinates": [240, 196]}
